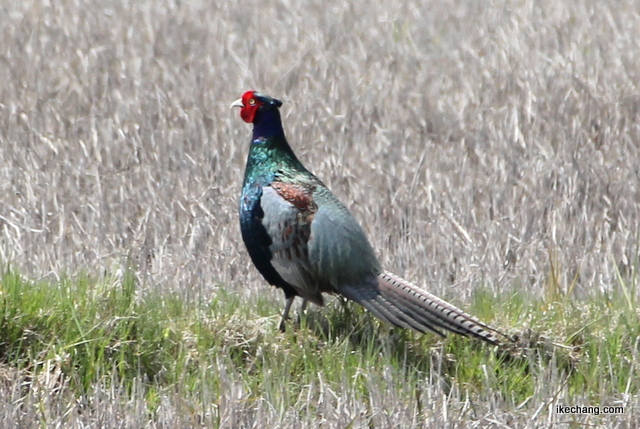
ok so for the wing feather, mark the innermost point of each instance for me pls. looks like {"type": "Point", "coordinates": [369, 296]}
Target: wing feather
{"type": "Point", "coordinates": [289, 228]}
{"type": "Point", "coordinates": [339, 251]}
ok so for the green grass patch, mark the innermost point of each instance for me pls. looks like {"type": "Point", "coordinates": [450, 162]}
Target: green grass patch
{"type": "Point", "coordinates": [107, 332]}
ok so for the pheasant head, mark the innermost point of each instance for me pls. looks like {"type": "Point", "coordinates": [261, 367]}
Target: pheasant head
{"type": "Point", "coordinates": [253, 104]}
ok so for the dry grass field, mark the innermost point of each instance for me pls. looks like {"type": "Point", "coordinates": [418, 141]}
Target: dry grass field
{"type": "Point", "coordinates": [486, 147]}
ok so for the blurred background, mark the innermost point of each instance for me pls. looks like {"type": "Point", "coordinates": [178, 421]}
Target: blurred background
{"type": "Point", "coordinates": [481, 145]}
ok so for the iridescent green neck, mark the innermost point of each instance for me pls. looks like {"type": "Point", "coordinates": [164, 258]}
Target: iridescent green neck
{"type": "Point", "coordinates": [268, 156]}
{"type": "Point", "coordinates": [270, 153]}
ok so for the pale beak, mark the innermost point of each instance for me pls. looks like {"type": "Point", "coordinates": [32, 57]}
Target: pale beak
{"type": "Point", "coordinates": [237, 103]}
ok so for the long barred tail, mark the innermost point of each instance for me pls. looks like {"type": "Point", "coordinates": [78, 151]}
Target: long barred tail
{"type": "Point", "coordinates": [404, 304]}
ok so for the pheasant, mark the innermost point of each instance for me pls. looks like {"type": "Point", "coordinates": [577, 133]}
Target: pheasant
{"type": "Point", "coordinates": [303, 240]}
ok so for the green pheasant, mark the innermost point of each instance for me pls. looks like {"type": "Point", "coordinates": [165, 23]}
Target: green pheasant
{"type": "Point", "coordinates": [305, 241]}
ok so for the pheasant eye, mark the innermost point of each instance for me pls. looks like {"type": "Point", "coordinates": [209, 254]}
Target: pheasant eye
{"type": "Point", "coordinates": [252, 101]}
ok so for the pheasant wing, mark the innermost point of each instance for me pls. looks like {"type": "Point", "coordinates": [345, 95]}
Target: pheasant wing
{"type": "Point", "coordinates": [288, 213]}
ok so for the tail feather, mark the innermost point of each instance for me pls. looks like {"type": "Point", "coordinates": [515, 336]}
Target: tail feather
{"type": "Point", "coordinates": [432, 311]}
{"type": "Point", "coordinates": [404, 304]}
{"type": "Point", "coordinates": [371, 299]}
{"type": "Point", "coordinates": [404, 316]}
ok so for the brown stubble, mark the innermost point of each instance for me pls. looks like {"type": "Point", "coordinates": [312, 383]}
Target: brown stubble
{"type": "Point", "coordinates": [471, 142]}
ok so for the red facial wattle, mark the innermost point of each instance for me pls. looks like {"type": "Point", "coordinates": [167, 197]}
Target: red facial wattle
{"type": "Point", "coordinates": [250, 105]}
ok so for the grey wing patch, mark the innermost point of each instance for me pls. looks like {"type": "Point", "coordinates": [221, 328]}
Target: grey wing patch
{"type": "Point", "coordinates": [289, 230]}
{"type": "Point", "coordinates": [338, 248]}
